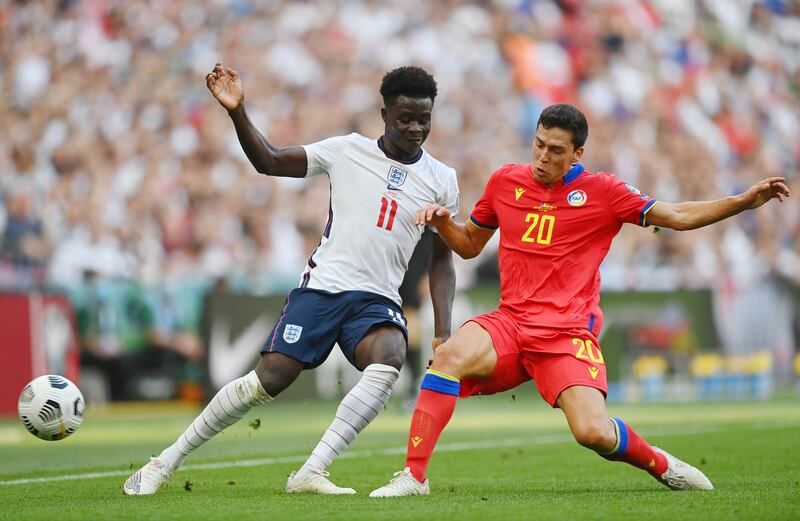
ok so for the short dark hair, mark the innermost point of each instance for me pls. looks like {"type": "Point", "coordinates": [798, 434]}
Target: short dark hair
{"type": "Point", "coordinates": [566, 117]}
{"type": "Point", "coordinates": [414, 82]}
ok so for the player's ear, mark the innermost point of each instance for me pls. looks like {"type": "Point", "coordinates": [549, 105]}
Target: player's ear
{"type": "Point", "coordinates": [384, 114]}
{"type": "Point", "coordinates": [576, 156]}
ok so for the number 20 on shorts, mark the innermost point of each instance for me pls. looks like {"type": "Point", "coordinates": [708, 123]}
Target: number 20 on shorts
{"type": "Point", "coordinates": [588, 351]}
{"type": "Point", "coordinates": [545, 232]}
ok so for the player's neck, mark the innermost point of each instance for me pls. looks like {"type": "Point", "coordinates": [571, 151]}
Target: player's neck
{"type": "Point", "coordinates": [397, 154]}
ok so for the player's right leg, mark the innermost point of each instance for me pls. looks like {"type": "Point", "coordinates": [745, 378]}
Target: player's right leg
{"type": "Point", "coordinates": [468, 353]}
{"type": "Point", "coordinates": [615, 440]}
{"type": "Point", "coordinates": [570, 373]}
{"type": "Point", "coordinates": [274, 373]}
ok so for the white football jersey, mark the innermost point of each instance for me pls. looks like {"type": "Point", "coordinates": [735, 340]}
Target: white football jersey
{"type": "Point", "coordinates": [370, 234]}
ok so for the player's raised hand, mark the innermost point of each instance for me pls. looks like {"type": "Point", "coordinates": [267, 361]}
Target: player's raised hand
{"type": "Point", "coordinates": [763, 191]}
{"type": "Point", "coordinates": [226, 86]}
{"type": "Point", "coordinates": [433, 215]}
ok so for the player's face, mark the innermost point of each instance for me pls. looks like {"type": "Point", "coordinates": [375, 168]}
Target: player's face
{"type": "Point", "coordinates": [553, 154]}
{"type": "Point", "coordinates": [408, 123]}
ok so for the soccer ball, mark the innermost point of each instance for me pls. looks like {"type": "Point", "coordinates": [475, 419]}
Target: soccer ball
{"type": "Point", "coordinates": [51, 407]}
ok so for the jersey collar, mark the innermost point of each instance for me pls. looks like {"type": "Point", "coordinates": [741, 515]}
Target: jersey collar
{"type": "Point", "coordinates": [572, 174]}
{"type": "Point", "coordinates": [390, 156]}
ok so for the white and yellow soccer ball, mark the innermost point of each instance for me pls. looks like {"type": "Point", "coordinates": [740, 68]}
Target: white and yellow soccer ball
{"type": "Point", "coordinates": [51, 407]}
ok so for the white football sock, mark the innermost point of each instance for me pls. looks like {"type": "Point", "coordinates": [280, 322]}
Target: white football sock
{"type": "Point", "coordinates": [227, 407]}
{"type": "Point", "coordinates": [361, 405]}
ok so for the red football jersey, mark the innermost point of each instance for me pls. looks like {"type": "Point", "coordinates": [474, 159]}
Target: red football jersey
{"type": "Point", "coordinates": [552, 240]}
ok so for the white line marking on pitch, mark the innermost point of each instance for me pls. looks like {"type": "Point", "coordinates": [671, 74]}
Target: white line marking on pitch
{"type": "Point", "coordinates": [547, 439]}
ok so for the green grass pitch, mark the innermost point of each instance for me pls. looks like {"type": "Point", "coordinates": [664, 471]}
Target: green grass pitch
{"type": "Point", "coordinates": [503, 457]}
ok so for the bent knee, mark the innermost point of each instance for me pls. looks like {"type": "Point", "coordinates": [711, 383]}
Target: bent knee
{"type": "Point", "coordinates": [595, 435]}
{"type": "Point", "coordinates": [460, 361]}
{"type": "Point", "coordinates": [448, 359]}
{"type": "Point", "coordinates": [393, 358]}
{"type": "Point", "coordinates": [385, 345]}
{"type": "Point", "coordinates": [276, 372]}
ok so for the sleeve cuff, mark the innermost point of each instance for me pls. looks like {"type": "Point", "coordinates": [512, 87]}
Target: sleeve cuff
{"type": "Point", "coordinates": [479, 224]}
{"type": "Point", "coordinates": [643, 213]}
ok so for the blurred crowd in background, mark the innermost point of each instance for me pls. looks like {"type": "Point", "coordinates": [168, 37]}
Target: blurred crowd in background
{"type": "Point", "coordinates": [121, 178]}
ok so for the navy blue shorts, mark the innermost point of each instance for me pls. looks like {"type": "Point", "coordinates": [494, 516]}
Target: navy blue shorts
{"type": "Point", "coordinates": [313, 321]}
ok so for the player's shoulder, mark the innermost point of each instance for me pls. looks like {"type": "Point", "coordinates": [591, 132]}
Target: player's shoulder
{"type": "Point", "coordinates": [356, 138]}
{"type": "Point", "coordinates": [438, 165]}
{"type": "Point", "coordinates": [440, 169]}
{"type": "Point", "coordinates": [603, 176]}
{"type": "Point", "coordinates": [613, 183]}
{"type": "Point", "coordinates": [340, 142]}
{"type": "Point", "coordinates": [510, 171]}
{"type": "Point", "coordinates": [599, 178]}
{"type": "Point", "coordinates": [609, 184]}
{"type": "Point", "coordinates": [359, 144]}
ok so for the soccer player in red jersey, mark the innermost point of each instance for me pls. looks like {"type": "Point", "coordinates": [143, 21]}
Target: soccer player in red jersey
{"type": "Point", "coordinates": [556, 223]}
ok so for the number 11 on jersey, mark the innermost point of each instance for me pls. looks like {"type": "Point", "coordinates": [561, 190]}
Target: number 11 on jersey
{"type": "Point", "coordinates": [392, 207]}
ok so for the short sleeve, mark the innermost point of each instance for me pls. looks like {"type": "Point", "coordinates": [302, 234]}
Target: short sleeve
{"type": "Point", "coordinates": [484, 215]}
{"type": "Point", "coordinates": [322, 155]}
{"type": "Point", "coordinates": [450, 196]}
{"type": "Point", "coordinates": [627, 203]}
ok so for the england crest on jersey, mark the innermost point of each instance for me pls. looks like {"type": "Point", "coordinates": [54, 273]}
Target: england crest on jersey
{"type": "Point", "coordinates": [291, 333]}
{"type": "Point", "coordinates": [397, 176]}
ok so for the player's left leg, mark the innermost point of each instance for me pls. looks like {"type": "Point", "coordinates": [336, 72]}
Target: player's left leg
{"type": "Point", "coordinates": [380, 355]}
{"type": "Point", "coordinates": [468, 353]}
{"type": "Point", "coordinates": [613, 439]}
{"type": "Point", "coordinates": [274, 373]}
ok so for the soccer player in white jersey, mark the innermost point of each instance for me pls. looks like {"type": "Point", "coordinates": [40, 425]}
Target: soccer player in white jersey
{"type": "Point", "coordinates": [348, 293]}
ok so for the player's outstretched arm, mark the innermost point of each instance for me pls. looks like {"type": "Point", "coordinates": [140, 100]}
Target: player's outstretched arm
{"type": "Point", "coordinates": [442, 281]}
{"type": "Point", "coordinates": [466, 240]}
{"type": "Point", "coordinates": [226, 86]}
{"type": "Point", "coordinates": [696, 214]}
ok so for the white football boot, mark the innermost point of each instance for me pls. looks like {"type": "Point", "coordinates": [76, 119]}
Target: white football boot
{"type": "Point", "coordinates": [682, 476]}
{"type": "Point", "coordinates": [147, 479]}
{"type": "Point", "coordinates": [403, 484]}
{"type": "Point", "coordinates": [308, 481]}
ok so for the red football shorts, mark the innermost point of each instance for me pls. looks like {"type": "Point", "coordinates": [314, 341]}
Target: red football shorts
{"type": "Point", "coordinates": [554, 358]}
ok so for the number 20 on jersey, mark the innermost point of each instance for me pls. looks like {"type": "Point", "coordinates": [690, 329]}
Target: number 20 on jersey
{"type": "Point", "coordinates": [540, 230]}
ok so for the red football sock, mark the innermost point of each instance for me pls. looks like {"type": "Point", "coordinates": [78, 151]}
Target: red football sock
{"type": "Point", "coordinates": [633, 449]}
{"type": "Point", "coordinates": [433, 411]}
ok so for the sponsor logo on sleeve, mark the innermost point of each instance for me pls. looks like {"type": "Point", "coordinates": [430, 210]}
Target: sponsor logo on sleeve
{"type": "Point", "coordinates": [632, 189]}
